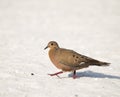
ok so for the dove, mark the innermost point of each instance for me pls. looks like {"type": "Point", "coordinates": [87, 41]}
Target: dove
{"type": "Point", "coordinates": [68, 60]}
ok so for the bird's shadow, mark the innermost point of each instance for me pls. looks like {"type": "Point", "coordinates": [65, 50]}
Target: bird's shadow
{"type": "Point", "coordinates": [92, 74]}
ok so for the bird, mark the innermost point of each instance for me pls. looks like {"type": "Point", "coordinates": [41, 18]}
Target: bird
{"type": "Point", "coordinates": [68, 60]}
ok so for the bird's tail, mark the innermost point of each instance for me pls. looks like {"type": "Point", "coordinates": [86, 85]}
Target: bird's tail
{"type": "Point", "coordinates": [103, 64]}
{"type": "Point", "coordinates": [99, 63]}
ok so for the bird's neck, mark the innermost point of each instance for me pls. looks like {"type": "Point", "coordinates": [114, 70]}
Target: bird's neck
{"type": "Point", "coordinates": [52, 53]}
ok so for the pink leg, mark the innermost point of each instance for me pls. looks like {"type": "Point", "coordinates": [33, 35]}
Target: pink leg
{"type": "Point", "coordinates": [74, 74]}
{"type": "Point", "coordinates": [56, 73]}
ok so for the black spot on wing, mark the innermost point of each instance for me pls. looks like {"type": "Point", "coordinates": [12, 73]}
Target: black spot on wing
{"type": "Point", "coordinates": [77, 57]}
{"type": "Point", "coordinates": [73, 55]}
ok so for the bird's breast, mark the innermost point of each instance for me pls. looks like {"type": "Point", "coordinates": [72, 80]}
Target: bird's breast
{"type": "Point", "coordinates": [55, 57]}
{"type": "Point", "coordinates": [52, 54]}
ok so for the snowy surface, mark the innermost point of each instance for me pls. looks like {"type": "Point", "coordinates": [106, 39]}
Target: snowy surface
{"type": "Point", "coordinates": [90, 27]}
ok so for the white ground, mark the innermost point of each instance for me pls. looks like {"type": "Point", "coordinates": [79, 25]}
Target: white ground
{"type": "Point", "coordinates": [90, 27]}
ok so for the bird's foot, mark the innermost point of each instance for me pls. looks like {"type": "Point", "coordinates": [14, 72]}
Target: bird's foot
{"type": "Point", "coordinates": [75, 76]}
{"type": "Point", "coordinates": [56, 74]}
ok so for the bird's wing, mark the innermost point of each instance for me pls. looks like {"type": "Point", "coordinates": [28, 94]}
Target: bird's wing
{"type": "Point", "coordinates": [71, 58]}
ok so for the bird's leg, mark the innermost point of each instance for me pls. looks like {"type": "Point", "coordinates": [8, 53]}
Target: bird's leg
{"type": "Point", "coordinates": [56, 73]}
{"type": "Point", "coordinates": [74, 74]}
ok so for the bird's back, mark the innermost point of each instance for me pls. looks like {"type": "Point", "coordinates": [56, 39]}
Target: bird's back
{"type": "Point", "coordinates": [74, 59]}
{"type": "Point", "coordinates": [69, 57]}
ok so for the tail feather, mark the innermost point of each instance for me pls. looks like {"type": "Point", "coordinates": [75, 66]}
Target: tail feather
{"type": "Point", "coordinates": [99, 63]}
{"type": "Point", "coordinates": [102, 64]}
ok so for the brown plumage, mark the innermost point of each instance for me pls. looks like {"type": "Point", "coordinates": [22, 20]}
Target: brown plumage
{"type": "Point", "coordinates": [69, 60]}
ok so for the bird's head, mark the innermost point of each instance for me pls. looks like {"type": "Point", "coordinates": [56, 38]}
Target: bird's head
{"type": "Point", "coordinates": [52, 44]}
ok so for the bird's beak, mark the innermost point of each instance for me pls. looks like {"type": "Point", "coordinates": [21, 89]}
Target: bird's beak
{"type": "Point", "coordinates": [45, 47]}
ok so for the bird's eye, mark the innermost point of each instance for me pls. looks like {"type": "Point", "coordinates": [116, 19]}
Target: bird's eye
{"type": "Point", "coordinates": [51, 43]}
